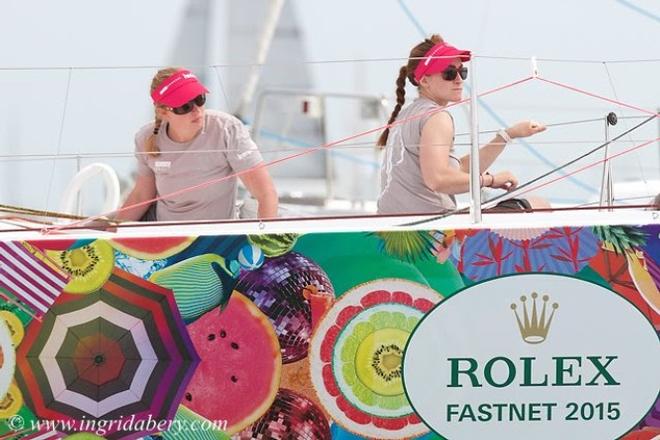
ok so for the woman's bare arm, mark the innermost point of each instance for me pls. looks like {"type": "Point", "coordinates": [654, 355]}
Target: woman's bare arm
{"type": "Point", "coordinates": [143, 190]}
{"type": "Point", "coordinates": [260, 185]}
{"type": "Point", "coordinates": [435, 144]}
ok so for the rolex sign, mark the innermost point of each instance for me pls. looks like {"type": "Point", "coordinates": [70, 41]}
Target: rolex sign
{"type": "Point", "coordinates": [533, 356]}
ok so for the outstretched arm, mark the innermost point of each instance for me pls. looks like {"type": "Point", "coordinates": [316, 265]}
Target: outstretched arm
{"type": "Point", "coordinates": [260, 185]}
{"type": "Point", "coordinates": [435, 144]}
{"type": "Point", "coordinates": [144, 189]}
{"type": "Point", "coordinates": [489, 152]}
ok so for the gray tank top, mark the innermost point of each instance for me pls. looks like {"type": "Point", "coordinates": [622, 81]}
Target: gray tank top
{"type": "Point", "coordinates": [401, 184]}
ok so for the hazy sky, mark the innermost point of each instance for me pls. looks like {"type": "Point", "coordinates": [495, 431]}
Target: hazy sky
{"type": "Point", "coordinates": [105, 107]}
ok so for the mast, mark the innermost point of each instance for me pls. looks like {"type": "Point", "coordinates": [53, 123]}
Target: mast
{"type": "Point", "coordinates": [264, 43]}
{"type": "Point", "coordinates": [192, 41]}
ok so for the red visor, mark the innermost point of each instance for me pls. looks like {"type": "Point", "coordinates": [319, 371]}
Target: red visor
{"type": "Point", "coordinates": [177, 89]}
{"type": "Point", "coordinates": [438, 58]}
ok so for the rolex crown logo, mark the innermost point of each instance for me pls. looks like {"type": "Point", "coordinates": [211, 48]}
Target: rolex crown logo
{"type": "Point", "coordinates": [534, 329]}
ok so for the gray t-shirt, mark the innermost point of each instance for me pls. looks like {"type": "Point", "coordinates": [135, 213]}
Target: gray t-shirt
{"type": "Point", "coordinates": [222, 148]}
{"type": "Point", "coordinates": [402, 186]}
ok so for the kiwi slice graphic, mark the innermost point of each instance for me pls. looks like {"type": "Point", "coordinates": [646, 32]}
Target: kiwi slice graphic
{"type": "Point", "coordinates": [14, 325]}
{"type": "Point", "coordinates": [372, 353]}
{"type": "Point", "coordinates": [378, 361]}
{"type": "Point", "coordinates": [11, 403]}
{"type": "Point", "coordinates": [89, 266]}
{"type": "Point", "coordinates": [356, 356]}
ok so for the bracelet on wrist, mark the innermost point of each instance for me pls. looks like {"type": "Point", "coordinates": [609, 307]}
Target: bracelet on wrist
{"type": "Point", "coordinates": [492, 179]}
{"type": "Point", "coordinates": [504, 135]}
{"type": "Point", "coordinates": [482, 180]}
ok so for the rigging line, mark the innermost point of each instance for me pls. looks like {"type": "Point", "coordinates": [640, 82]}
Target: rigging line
{"type": "Point", "coordinates": [290, 145]}
{"type": "Point", "coordinates": [630, 117]}
{"type": "Point", "coordinates": [497, 117]}
{"type": "Point", "coordinates": [357, 146]}
{"type": "Point", "coordinates": [572, 161]}
{"type": "Point", "coordinates": [616, 96]}
{"type": "Point", "coordinates": [315, 62]}
{"type": "Point", "coordinates": [330, 145]}
{"type": "Point", "coordinates": [297, 145]}
{"type": "Point", "coordinates": [603, 98]}
{"type": "Point", "coordinates": [335, 143]}
{"type": "Point", "coordinates": [517, 191]}
{"type": "Point", "coordinates": [531, 149]}
{"type": "Point", "coordinates": [274, 136]}
{"type": "Point", "coordinates": [639, 10]}
{"type": "Point", "coordinates": [649, 60]}
{"type": "Point", "coordinates": [567, 60]}
{"type": "Point", "coordinates": [412, 18]}
{"type": "Point", "coordinates": [623, 199]}
{"type": "Point", "coordinates": [222, 87]}
{"type": "Point", "coordinates": [202, 66]}
{"type": "Point", "coordinates": [637, 147]}
{"type": "Point", "coordinates": [296, 142]}
{"type": "Point", "coordinates": [60, 136]}
{"type": "Point", "coordinates": [556, 124]}
{"type": "Point", "coordinates": [293, 156]}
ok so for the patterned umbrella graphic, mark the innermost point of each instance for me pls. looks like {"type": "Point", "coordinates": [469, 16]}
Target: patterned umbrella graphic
{"type": "Point", "coordinates": [119, 353]}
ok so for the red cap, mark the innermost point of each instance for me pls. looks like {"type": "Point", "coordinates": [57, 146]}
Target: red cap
{"type": "Point", "coordinates": [177, 89]}
{"type": "Point", "coordinates": [438, 58]}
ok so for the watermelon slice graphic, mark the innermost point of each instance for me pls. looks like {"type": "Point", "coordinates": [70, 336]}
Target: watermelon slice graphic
{"type": "Point", "coordinates": [356, 357]}
{"type": "Point", "coordinates": [151, 248]}
{"type": "Point", "coordinates": [239, 374]}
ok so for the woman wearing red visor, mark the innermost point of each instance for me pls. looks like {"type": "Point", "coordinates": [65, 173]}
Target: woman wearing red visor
{"type": "Point", "coordinates": [420, 172]}
{"type": "Point", "coordinates": [187, 146]}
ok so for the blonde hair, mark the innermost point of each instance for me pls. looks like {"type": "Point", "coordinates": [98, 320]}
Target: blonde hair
{"type": "Point", "coordinates": [408, 71]}
{"type": "Point", "coordinates": [151, 147]}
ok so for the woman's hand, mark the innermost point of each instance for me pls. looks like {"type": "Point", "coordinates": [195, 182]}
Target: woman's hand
{"type": "Point", "coordinates": [525, 129]}
{"type": "Point", "coordinates": [99, 224]}
{"type": "Point", "coordinates": [504, 180]}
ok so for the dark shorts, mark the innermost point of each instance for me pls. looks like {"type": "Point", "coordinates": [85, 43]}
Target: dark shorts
{"type": "Point", "coordinates": [512, 205]}
{"type": "Point", "coordinates": [150, 214]}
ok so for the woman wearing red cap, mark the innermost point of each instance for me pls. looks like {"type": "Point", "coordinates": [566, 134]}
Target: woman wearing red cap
{"type": "Point", "coordinates": [420, 172]}
{"type": "Point", "coordinates": [187, 146]}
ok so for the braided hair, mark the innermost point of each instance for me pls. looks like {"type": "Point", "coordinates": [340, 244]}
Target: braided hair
{"type": "Point", "coordinates": [408, 71]}
{"type": "Point", "coordinates": [159, 77]}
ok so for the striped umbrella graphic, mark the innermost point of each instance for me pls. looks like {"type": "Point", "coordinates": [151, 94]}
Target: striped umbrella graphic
{"type": "Point", "coordinates": [117, 353]}
{"type": "Point", "coordinates": [29, 278]}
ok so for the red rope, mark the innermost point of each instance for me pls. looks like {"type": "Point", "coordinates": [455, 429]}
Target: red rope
{"type": "Point", "coordinates": [355, 136]}
{"type": "Point", "coordinates": [593, 95]}
{"type": "Point", "coordinates": [591, 165]}
{"type": "Point", "coordinates": [283, 159]}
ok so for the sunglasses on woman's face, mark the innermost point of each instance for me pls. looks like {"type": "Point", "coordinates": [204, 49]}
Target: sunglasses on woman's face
{"type": "Point", "coordinates": [189, 106]}
{"type": "Point", "coordinates": [450, 73]}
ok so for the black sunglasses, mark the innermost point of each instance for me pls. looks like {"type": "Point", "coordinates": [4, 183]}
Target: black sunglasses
{"type": "Point", "coordinates": [188, 106]}
{"type": "Point", "coordinates": [449, 74]}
